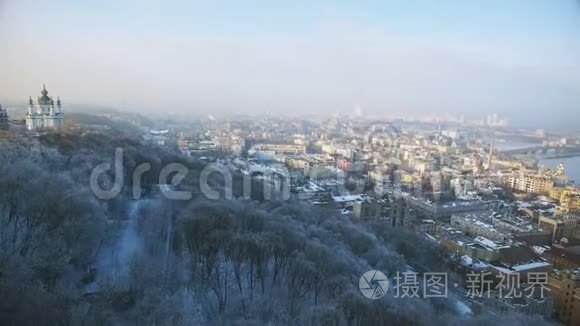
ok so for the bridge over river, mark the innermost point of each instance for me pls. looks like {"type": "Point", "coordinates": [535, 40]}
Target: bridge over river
{"type": "Point", "coordinates": [556, 151]}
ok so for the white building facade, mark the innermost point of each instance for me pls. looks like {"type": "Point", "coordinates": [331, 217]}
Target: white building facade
{"type": "Point", "coordinates": [45, 114]}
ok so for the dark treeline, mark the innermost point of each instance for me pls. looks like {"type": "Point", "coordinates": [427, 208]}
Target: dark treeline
{"type": "Point", "coordinates": [67, 258]}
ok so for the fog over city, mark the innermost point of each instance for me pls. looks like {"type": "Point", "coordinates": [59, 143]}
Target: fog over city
{"type": "Point", "coordinates": [387, 58]}
{"type": "Point", "coordinates": [299, 162]}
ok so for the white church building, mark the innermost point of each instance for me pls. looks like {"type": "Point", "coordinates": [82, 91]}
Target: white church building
{"type": "Point", "coordinates": [45, 114]}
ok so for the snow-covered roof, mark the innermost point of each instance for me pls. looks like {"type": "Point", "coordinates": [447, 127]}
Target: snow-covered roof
{"type": "Point", "coordinates": [522, 267]}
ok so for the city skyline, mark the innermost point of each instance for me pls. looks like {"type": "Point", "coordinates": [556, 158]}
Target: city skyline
{"type": "Point", "coordinates": [330, 162]}
{"type": "Point", "coordinates": [516, 59]}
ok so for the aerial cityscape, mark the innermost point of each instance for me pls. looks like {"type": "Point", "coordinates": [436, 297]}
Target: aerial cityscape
{"type": "Point", "coordinates": [215, 172]}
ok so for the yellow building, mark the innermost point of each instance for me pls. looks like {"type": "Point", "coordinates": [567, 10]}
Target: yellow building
{"type": "Point", "coordinates": [296, 163]}
{"type": "Point", "coordinates": [564, 287]}
{"type": "Point", "coordinates": [569, 198]}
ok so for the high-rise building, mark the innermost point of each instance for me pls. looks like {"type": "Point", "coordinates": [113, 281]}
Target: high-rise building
{"type": "Point", "coordinates": [532, 183]}
{"type": "Point", "coordinates": [3, 117]}
{"type": "Point", "coordinates": [490, 157]}
{"type": "Point", "coordinates": [45, 114]}
{"type": "Point", "coordinates": [365, 209]}
{"type": "Point", "coordinates": [564, 287]}
{"type": "Point", "coordinates": [401, 214]}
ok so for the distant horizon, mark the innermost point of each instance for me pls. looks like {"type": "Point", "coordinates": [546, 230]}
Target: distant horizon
{"type": "Point", "coordinates": [517, 59]}
{"type": "Point", "coordinates": [552, 127]}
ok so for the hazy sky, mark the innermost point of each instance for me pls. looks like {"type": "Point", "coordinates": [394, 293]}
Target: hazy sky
{"type": "Point", "coordinates": [514, 57]}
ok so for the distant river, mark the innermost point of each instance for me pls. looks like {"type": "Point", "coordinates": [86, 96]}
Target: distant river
{"type": "Point", "coordinates": [571, 164]}
{"type": "Point", "coordinates": [510, 145]}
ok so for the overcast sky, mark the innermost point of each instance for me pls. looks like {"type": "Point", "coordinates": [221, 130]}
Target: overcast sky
{"type": "Point", "coordinates": [519, 58]}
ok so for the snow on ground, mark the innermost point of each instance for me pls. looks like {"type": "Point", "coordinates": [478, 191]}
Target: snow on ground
{"type": "Point", "coordinates": [462, 309]}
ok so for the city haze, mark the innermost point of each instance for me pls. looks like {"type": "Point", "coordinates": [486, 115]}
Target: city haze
{"type": "Point", "coordinates": [290, 163]}
{"type": "Point", "coordinates": [518, 59]}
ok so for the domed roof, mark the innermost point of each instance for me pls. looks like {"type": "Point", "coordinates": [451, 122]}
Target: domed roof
{"type": "Point", "coordinates": [44, 99]}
